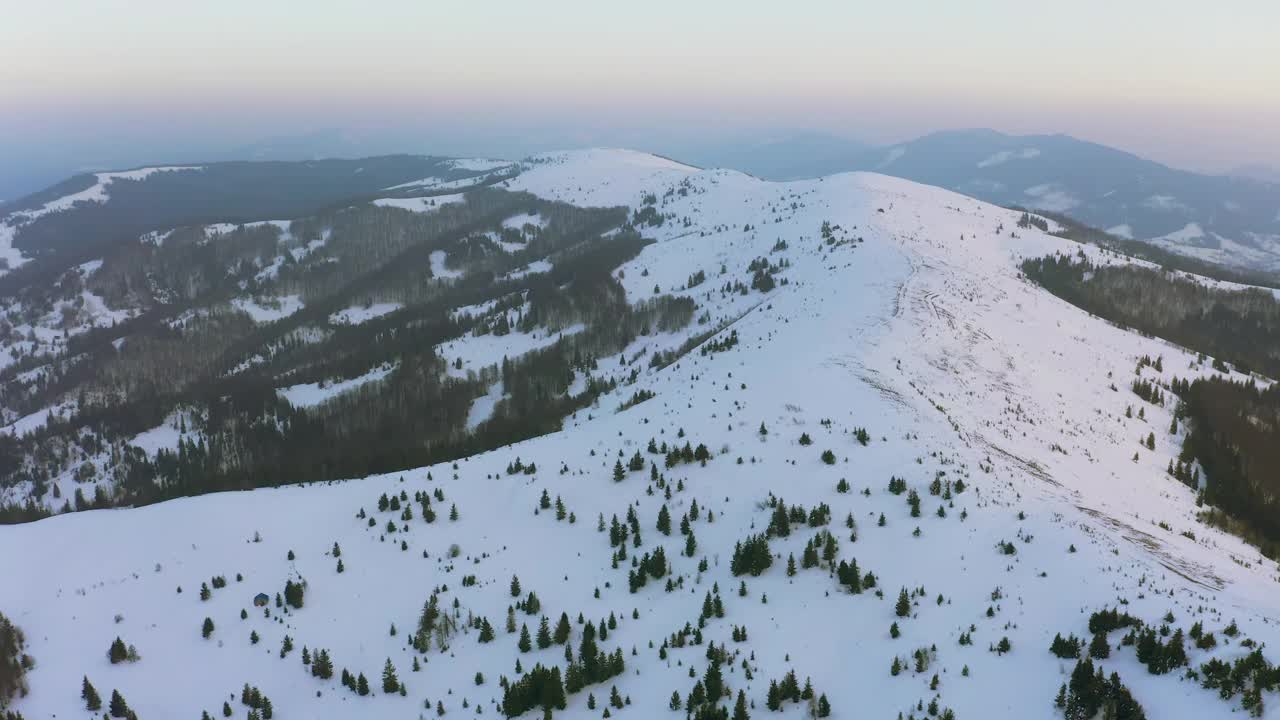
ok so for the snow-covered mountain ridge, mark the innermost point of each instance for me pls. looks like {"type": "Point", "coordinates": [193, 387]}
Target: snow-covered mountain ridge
{"type": "Point", "coordinates": [1217, 220]}
{"type": "Point", "coordinates": [899, 312]}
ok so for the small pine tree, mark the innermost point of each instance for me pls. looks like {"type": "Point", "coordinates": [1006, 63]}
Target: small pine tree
{"type": "Point", "coordinates": [118, 652]}
{"type": "Point", "coordinates": [207, 628]}
{"type": "Point", "coordinates": [739, 707]}
{"type": "Point", "coordinates": [390, 683]}
{"type": "Point", "coordinates": [563, 630]}
{"type": "Point", "coordinates": [544, 634]}
{"type": "Point", "coordinates": [1099, 648]}
{"type": "Point", "coordinates": [90, 695]}
{"type": "Point", "coordinates": [118, 707]}
{"type": "Point", "coordinates": [903, 606]}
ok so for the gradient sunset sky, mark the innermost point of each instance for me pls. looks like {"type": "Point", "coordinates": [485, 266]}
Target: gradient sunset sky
{"type": "Point", "coordinates": [1189, 83]}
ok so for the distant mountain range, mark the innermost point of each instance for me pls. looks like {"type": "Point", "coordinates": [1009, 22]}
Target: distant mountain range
{"type": "Point", "coordinates": [1230, 219]}
{"type": "Point", "coordinates": [1266, 173]}
{"type": "Point", "coordinates": [783, 156]}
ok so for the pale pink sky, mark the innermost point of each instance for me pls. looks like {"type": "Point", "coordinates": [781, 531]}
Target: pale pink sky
{"type": "Point", "coordinates": [1192, 84]}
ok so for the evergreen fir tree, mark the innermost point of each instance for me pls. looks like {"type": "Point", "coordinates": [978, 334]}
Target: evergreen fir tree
{"type": "Point", "coordinates": [563, 629]}
{"type": "Point", "coordinates": [390, 683]}
{"type": "Point", "coordinates": [1099, 648]}
{"type": "Point", "coordinates": [903, 606]}
{"type": "Point", "coordinates": [117, 653]}
{"type": "Point", "coordinates": [544, 634]}
{"type": "Point", "coordinates": [90, 695]}
{"type": "Point", "coordinates": [118, 707]}
{"type": "Point", "coordinates": [713, 682]}
{"type": "Point", "coordinates": [293, 594]}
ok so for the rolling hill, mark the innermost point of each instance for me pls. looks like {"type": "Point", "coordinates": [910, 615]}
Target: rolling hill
{"type": "Point", "coordinates": [1228, 220]}
{"type": "Point", "coordinates": [812, 447]}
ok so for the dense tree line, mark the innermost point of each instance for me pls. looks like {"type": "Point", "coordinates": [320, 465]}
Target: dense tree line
{"type": "Point", "coordinates": [1075, 230]}
{"type": "Point", "coordinates": [1240, 326]}
{"type": "Point", "coordinates": [1090, 691]}
{"type": "Point", "coordinates": [219, 192]}
{"type": "Point", "coordinates": [227, 369]}
{"type": "Point", "coordinates": [1232, 427]}
{"type": "Point", "coordinates": [14, 662]}
{"type": "Point", "coordinates": [1233, 431]}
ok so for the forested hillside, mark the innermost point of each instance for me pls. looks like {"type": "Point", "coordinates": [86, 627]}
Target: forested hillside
{"type": "Point", "coordinates": [1233, 424]}
{"type": "Point", "coordinates": [350, 341]}
{"type": "Point", "coordinates": [1234, 434]}
{"type": "Point", "coordinates": [1239, 325]}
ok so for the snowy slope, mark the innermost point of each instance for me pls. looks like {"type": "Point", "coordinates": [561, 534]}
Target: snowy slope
{"type": "Point", "coordinates": [911, 322]}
